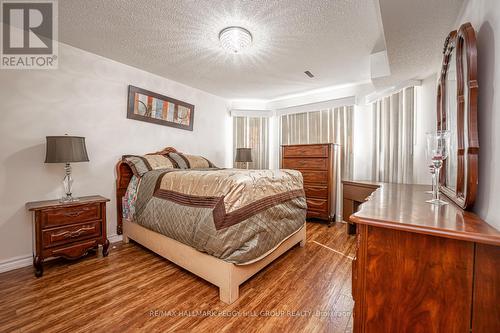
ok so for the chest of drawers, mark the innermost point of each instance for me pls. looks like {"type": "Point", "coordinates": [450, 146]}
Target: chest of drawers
{"type": "Point", "coordinates": [316, 163]}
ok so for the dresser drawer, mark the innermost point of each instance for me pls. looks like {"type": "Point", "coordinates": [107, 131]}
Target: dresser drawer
{"type": "Point", "coordinates": [67, 234]}
{"type": "Point", "coordinates": [320, 192]}
{"type": "Point", "coordinates": [306, 151]}
{"type": "Point", "coordinates": [70, 215]}
{"type": "Point", "coordinates": [314, 176]}
{"type": "Point", "coordinates": [317, 205]}
{"type": "Point", "coordinates": [305, 163]}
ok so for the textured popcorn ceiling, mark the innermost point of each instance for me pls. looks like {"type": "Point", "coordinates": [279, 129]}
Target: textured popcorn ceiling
{"type": "Point", "coordinates": [178, 39]}
{"type": "Point", "coordinates": [415, 31]}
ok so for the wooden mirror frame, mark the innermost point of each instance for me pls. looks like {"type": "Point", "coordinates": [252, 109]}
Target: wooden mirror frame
{"type": "Point", "coordinates": [467, 159]}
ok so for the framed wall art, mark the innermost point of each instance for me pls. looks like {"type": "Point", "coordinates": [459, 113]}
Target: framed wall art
{"type": "Point", "coordinates": [148, 106]}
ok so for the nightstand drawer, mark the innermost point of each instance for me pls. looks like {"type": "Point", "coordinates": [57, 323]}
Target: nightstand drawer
{"type": "Point", "coordinates": [70, 215]}
{"type": "Point", "coordinates": [73, 250]}
{"type": "Point", "coordinates": [63, 235]}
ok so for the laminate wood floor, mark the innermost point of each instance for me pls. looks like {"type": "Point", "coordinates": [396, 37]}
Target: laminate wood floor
{"type": "Point", "coordinates": [305, 290]}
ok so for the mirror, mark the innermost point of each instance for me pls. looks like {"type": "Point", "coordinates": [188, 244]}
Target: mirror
{"type": "Point", "coordinates": [451, 109]}
{"type": "Point", "coordinates": [457, 113]}
{"type": "Point", "coordinates": [465, 121]}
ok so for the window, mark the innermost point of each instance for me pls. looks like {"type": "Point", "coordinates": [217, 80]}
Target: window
{"type": "Point", "coordinates": [393, 137]}
{"type": "Point", "coordinates": [334, 125]}
{"type": "Point", "coordinates": [252, 132]}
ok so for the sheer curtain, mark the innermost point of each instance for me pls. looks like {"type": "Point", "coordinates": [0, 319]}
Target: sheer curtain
{"type": "Point", "coordinates": [325, 126]}
{"type": "Point", "coordinates": [252, 132]}
{"type": "Point", "coordinates": [393, 137]}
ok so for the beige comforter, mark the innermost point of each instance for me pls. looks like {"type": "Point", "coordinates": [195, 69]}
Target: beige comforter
{"type": "Point", "coordinates": [235, 215]}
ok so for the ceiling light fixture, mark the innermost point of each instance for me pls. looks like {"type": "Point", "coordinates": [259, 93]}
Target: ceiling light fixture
{"type": "Point", "coordinates": [235, 39]}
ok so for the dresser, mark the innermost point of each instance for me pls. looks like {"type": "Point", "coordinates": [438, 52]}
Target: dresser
{"type": "Point", "coordinates": [354, 193]}
{"type": "Point", "coordinates": [68, 230]}
{"type": "Point", "coordinates": [423, 268]}
{"type": "Point", "coordinates": [317, 164]}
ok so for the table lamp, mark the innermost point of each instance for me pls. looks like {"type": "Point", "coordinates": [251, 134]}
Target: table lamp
{"type": "Point", "coordinates": [66, 149]}
{"type": "Point", "coordinates": [244, 155]}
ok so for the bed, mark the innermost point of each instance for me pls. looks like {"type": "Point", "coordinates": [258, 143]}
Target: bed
{"type": "Point", "coordinates": [223, 225]}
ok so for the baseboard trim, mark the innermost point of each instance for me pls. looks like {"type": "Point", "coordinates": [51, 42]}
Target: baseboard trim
{"type": "Point", "coordinates": [27, 260]}
{"type": "Point", "coordinates": [16, 262]}
{"type": "Point", "coordinates": [115, 238]}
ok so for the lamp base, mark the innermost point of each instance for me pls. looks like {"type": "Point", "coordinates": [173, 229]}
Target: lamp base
{"type": "Point", "coordinates": [67, 183]}
{"type": "Point", "coordinates": [68, 199]}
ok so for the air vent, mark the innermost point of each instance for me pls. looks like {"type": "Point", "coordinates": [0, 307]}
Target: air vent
{"type": "Point", "coordinates": [309, 74]}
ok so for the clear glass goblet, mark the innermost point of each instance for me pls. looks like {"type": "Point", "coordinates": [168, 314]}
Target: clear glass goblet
{"type": "Point", "coordinates": [432, 171]}
{"type": "Point", "coordinates": [438, 146]}
{"type": "Point", "coordinates": [428, 160]}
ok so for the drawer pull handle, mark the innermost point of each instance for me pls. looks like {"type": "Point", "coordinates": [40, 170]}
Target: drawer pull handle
{"type": "Point", "coordinates": [72, 214]}
{"type": "Point", "coordinates": [76, 213]}
{"type": "Point", "coordinates": [73, 234]}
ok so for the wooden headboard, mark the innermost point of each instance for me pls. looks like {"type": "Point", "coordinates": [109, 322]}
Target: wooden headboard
{"type": "Point", "coordinates": [123, 176]}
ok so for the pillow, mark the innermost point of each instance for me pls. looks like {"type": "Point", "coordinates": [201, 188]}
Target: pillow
{"type": "Point", "coordinates": [142, 164]}
{"type": "Point", "coordinates": [185, 161]}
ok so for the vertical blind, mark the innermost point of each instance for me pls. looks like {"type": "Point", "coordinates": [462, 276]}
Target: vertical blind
{"type": "Point", "coordinates": [326, 126]}
{"type": "Point", "coordinates": [393, 137]}
{"type": "Point", "coordinates": [252, 132]}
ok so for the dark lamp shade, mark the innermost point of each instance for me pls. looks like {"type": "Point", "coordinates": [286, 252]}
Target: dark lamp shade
{"type": "Point", "coordinates": [243, 155]}
{"type": "Point", "coordinates": [66, 149]}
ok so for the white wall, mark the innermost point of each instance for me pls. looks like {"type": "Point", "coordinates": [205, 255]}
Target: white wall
{"type": "Point", "coordinates": [485, 17]}
{"type": "Point", "coordinates": [86, 96]}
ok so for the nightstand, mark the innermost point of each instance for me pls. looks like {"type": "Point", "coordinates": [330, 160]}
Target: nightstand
{"type": "Point", "coordinates": [68, 229]}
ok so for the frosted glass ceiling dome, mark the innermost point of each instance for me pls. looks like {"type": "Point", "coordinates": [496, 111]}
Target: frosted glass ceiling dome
{"type": "Point", "coordinates": [235, 39]}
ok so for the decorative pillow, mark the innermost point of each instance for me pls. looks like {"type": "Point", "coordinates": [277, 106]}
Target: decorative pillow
{"type": "Point", "coordinates": [142, 164]}
{"type": "Point", "coordinates": [128, 200]}
{"type": "Point", "coordinates": [159, 162]}
{"type": "Point", "coordinates": [185, 161]}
